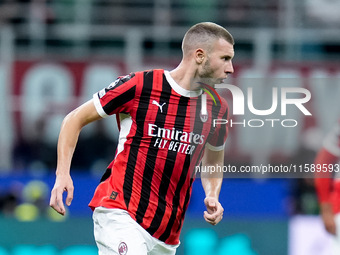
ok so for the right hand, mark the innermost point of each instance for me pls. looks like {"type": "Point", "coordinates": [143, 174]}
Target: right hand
{"type": "Point", "coordinates": [328, 218]}
{"type": "Point", "coordinates": [214, 212]}
{"type": "Point", "coordinates": [62, 183]}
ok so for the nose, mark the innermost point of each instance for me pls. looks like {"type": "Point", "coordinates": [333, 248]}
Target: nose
{"type": "Point", "coordinates": [229, 68]}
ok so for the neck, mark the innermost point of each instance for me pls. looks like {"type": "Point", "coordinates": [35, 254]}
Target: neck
{"type": "Point", "coordinates": [183, 75]}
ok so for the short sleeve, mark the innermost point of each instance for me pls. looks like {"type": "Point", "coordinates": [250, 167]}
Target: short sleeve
{"type": "Point", "coordinates": [117, 97]}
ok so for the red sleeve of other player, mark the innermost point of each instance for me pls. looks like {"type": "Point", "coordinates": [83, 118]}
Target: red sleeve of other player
{"type": "Point", "coordinates": [323, 181]}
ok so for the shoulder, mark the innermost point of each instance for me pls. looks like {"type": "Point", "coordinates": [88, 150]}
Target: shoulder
{"type": "Point", "coordinates": [134, 77]}
{"type": "Point", "coordinates": [121, 80]}
{"type": "Point", "coordinates": [141, 74]}
{"type": "Point", "coordinates": [152, 72]}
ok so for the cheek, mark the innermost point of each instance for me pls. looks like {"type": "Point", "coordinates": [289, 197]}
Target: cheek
{"type": "Point", "coordinates": [220, 64]}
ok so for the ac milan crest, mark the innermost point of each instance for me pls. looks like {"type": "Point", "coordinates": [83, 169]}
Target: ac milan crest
{"type": "Point", "coordinates": [122, 248]}
{"type": "Point", "coordinates": [204, 117]}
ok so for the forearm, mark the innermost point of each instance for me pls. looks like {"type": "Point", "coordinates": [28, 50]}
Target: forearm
{"type": "Point", "coordinates": [212, 184]}
{"type": "Point", "coordinates": [68, 137]}
{"type": "Point", "coordinates": [212, 180]}
{"type": "Point", "coordinates": [69, 134]}
{"type": "Point", "coordinates": [328, 217]}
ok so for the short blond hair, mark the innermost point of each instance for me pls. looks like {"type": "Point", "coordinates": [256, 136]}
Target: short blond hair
{"type": "Point", "coordinates": [204, 34]}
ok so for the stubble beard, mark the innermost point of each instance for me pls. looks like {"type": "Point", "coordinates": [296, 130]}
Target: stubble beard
{"type": "Point", "coordinates": [207, 75]}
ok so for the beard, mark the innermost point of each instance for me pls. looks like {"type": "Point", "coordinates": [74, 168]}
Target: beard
{"type": "Point", "coordinates": [207, 75]}
{"type": "Point", "coordinates": [207, 72]}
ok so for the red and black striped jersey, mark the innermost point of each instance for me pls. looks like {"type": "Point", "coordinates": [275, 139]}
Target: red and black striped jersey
{"type": "Point", "coordinates": [162, 137]}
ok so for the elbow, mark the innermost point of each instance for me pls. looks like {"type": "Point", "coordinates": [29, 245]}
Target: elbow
{"type": "Point", "coordinates": [72, 120]}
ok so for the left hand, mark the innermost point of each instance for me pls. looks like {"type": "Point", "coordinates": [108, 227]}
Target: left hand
{"type": "Point", "coordinates": [214, 213]}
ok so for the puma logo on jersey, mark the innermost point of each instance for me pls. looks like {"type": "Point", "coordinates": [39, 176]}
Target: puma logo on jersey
{"type": "Point", "coordinates": [160, 106]}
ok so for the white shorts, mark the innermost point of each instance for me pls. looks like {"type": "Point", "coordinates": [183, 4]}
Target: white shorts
{"type": "Point", "coordinates": [116, 232]}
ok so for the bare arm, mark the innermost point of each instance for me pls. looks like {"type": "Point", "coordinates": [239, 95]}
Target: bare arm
{"type": "Point", "coordinates": [323, 185]}
{"type": "Point", "coordinates": [212, 183]}
{"type": "Point", "coordinates": [328, 217]}
{"type": "Point", "coordinates": [68, 137]}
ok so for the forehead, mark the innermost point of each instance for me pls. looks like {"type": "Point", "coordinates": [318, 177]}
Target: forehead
{"type": "Point", "coordinates": [221, 46]}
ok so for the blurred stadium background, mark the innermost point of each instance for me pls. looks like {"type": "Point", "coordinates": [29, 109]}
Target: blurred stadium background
{"type": "Point", "coordinates": [54, 54]}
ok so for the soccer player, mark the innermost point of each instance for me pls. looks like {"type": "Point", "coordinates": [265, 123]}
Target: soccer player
{"type": "Point", "coordinates": [140, 203]}
{"type": "Point", "coordinates": [328, 186]}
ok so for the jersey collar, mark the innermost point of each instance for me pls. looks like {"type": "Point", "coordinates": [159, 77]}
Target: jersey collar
{"type": "Point", "coordinates": [179, 89]}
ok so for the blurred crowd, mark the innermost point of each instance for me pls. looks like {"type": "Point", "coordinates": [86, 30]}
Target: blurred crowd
{"type": "Point", "coordinates": [27, 202]}
{"type": "Point", "coordinates": [241, 13]}
{"type": "Point", "coordinates": [16, 11]}
{"type": "Point", "coordinates": [94, 151]}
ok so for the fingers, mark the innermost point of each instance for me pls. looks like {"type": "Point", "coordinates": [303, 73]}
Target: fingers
{"type": "Point", "coordinates": [214, 218]}
{"type": "Point", "coordinates": [211, 204]}
{"type": "Point", "coordinates": [214, 213]}
{"type": "Point", "coordinates": [211, 207]}
{"type": "Point", "coordinates": [56, 201]}
{"type": "Point", "coordinates": [69, 197]}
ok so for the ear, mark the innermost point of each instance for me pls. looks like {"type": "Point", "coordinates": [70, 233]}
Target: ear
{"type": "Point", "coordinates": [199, 56]}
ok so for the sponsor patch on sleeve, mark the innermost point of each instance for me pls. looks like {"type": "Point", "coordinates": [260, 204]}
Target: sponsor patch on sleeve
{"type": "Point", "coordinates": [113, 84]}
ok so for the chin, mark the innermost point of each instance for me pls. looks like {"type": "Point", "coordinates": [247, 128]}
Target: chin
{"type": "Point", "coordinates": [219, 80]}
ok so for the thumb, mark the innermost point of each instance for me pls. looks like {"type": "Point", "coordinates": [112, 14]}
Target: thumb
{"type": "Point", "coordinates": [69, 197]}
{"type": "Point", "coordinates": [212, 203]}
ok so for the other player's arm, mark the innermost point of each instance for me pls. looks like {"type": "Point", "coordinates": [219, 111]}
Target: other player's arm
{"type": "Point", "coordinates": [323, 185]}
{"type": "Point", "coordinates": [68, 137]}
{"type": "Point", "coordinates": [212, 183]}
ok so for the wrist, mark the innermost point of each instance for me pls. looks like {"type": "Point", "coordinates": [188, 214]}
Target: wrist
{"type": "Point", "coordinates": [211, 197]}
{"type": "Point", "coordinates": [60, 173]}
